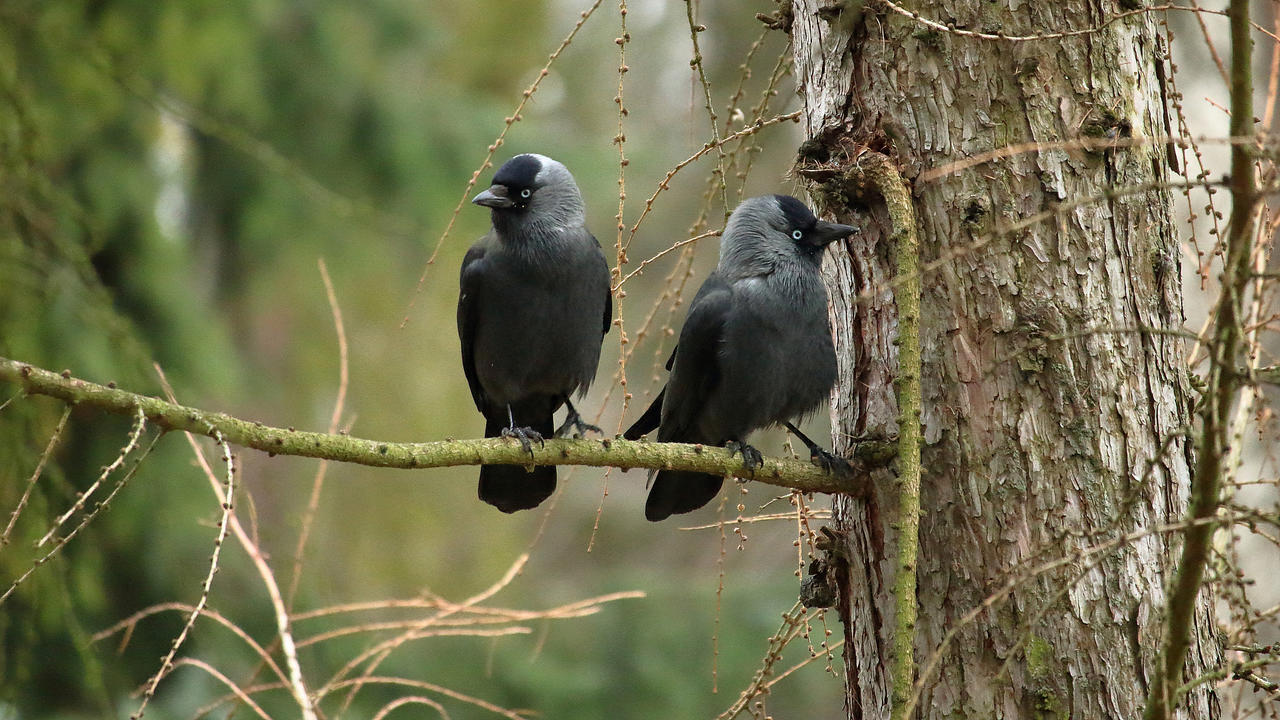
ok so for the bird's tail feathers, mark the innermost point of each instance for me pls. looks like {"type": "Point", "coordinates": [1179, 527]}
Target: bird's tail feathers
{"type": "Point", "coordinates": [680, 491]}
{"type": "Point", "coordinates": [515, 487]}
{"type": "Point", "coordinates": [511, 487]}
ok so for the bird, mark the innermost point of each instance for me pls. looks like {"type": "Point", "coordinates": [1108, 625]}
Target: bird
{"type": "Point", "coordinates": [755, 349]}
{"type": "Point", "coordinates": [534, 305]}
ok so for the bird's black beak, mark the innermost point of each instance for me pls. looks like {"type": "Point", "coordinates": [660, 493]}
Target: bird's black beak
{"type": "Point", "coordinates": [825, 232]}
{"type": "Point", "coordinates": [495, 197]}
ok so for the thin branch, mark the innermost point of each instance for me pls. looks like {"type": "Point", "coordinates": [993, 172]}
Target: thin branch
{"type": "Point", "coordinates": [166, 663]}
{"type": "Point", "coordinates": [297, 687]}
{"type": "Point", "coordinates": [378, 653]}
{"type": "Point", "coordinates": [665, 183]}
{"type": "Point", "coordinates": [791, 628]}
{"type": "Point", "coordinates": [933, 25]}
{"type": "Point", "coordinates": [467, 630]}
{"type": "Point", "coordinates": [1212, 47]}
{"type": "Point", "coordinates": [1080, 143]}
{"type": "Point", "coordinates": [35, 476]}
{"type": "Point", "coordinates": [385, 710]}
{"type": "Point", "coordinates": [791, 670]}
{"type": "Point", "coordinates": [624, 454]}
{"type": "Point", "coordinates": [129, 624]}
{"type": "Point", "coordinates": [239, 693]}
{"type": "Point", "coordinates": [468, 621]}
{"type": "Point", "coordinates": [404, 682]}
{"type": "Point", "coordinates": [84, 522]}
{"type": "Point", "coordinates": [317, 484]}
{"type": "Point", "coordinates": [1223, 383]}
{"type": "Point", "coordinates": [654, 258]}
{"type": "Point", "coordinates": [1238, 671]}
{"type": "Point", "coordinates": [1265, 684]}
{"type": "Point", "coordinates": [1269, 375]}
{"type": "Point", "coordinates": [577, 608]}
{"type": "Point", "coordinates": [696, 62]}
{"type": "Point", "coordinates": [1256, 649]}
{"type": "Point", "coordinates": [620, 248]}
{"type": "Point", "coordinates": [135, 434]}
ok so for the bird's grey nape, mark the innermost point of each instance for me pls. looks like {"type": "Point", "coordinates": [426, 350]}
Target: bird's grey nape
{"type": "Point", "coordinates": [756, 240]}
{"type": "Point", "coordinates": [558, 200]}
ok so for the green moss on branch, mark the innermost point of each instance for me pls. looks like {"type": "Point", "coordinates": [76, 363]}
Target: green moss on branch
{"type": "Point", "coordinates": [623, 454]}
{"type": "Point", "coordinates": [879, 172]}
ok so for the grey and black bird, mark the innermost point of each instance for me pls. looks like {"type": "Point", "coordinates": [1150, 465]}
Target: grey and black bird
{"type": "Point", "coordinates": [533, 308]}
{"type": "Point", "coordinates": [755, 349]}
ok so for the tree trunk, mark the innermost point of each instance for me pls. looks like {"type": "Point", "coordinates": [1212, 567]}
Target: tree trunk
{"type": "Point", "coordinates": [1054, 423]}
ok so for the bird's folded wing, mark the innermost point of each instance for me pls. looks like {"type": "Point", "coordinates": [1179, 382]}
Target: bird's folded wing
{"type": "Point", "coordinates": [695, 370]}
{"type": "Point", "coordinates": [471, 286]}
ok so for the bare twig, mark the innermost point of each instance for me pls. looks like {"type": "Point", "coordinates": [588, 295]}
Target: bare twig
{"type": "Point", "coordinates": [440, 689]}
{"type": "Point", "coordinates": [84, 522]}
{"type": "Point", "coordinates": [1078, 143]}
{"type": "Point", "coordinates": [166, 663]}
{"type": "Point", "coordinates": [696, 62]}
{"type": "Point", "coordinates": [317, 484]}
{"type": "Point", "coordinates": [654, 258]}
{"type": "Point", "coordinates": [791, 628]}
{"type": "Point", "coordinates": [385, 710]}
{"type": "Point", "coordinates": [35, 475]}
{"type": "Point", "coordinates": [665, 182]}
{"type": "Point", "coordinates": [135, 434]}
{"type": "Point", "coordinates": [128, 625]}
{"type": "Point", "coordinates": [378, 653]}
{"type": "Point", "coordinates": [1223, 382]}
{"type": "Point", "coordinates": [951, 29]}
{"type": "Point", "coordinates": [620, 248]}
{"type": "Point", "coordinates": [297, 686]}
{"type": "Point", "coordinates": [235, 689]}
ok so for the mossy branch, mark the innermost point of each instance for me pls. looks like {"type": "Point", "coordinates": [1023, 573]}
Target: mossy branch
{"type": "Point", "coordinates": [1269, 374]}
{"type": "Point", "coordinates": [787, 473]}
{"type": "Point", "coordinates": [879, 173]}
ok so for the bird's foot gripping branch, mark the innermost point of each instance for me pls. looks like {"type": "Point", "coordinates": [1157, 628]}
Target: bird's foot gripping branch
{"type": "Point", "coordinates": [788, 473]}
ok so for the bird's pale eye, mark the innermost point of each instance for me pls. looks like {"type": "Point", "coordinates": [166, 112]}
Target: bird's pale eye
{"type": "Point", "coordinates": [525, 193]}
{"type": "Point", "coordinates": [796, 234]}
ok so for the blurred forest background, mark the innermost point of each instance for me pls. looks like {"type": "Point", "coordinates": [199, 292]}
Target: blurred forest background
{"type": "Point", "coordinates": [171, 175]}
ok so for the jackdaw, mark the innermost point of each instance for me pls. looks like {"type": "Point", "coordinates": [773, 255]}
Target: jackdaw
{"type": "Point", "coordinates": [533, 309]}
{"type": "Point", "coordinates": [755, 349]}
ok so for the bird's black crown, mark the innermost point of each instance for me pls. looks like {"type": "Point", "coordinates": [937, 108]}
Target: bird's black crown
{"type": "Point", "coordinates": [797, 213]}
{"type": "Point", "coordinates": [519, 172]}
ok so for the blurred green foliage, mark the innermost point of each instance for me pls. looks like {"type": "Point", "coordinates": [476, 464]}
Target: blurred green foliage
{"type": "Point", "coordinates": [170, 174]}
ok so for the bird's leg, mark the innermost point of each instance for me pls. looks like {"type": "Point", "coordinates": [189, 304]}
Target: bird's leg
{"type": "Point", "coordinates": [526, 435]}
{"type": "Point", "coordinates": [751, 457]}
{"type": "Point", "coordinates": [575, 421]}
{"type": "Point", "coordinates": [823, 459]}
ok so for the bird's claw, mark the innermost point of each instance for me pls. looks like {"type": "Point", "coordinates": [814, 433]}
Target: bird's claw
{"type": "Point", "coordinates": [576, 422]}
{"type": "Point", "coordinates": [751, 457]}
{"type": "Point", "coordinates": [527, 437]}
{"type": "Point", "coordinates": [830, 463]}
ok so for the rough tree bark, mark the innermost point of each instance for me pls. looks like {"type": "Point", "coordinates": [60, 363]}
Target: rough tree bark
{"type": "Point", "coordinates": [1051, 422]}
